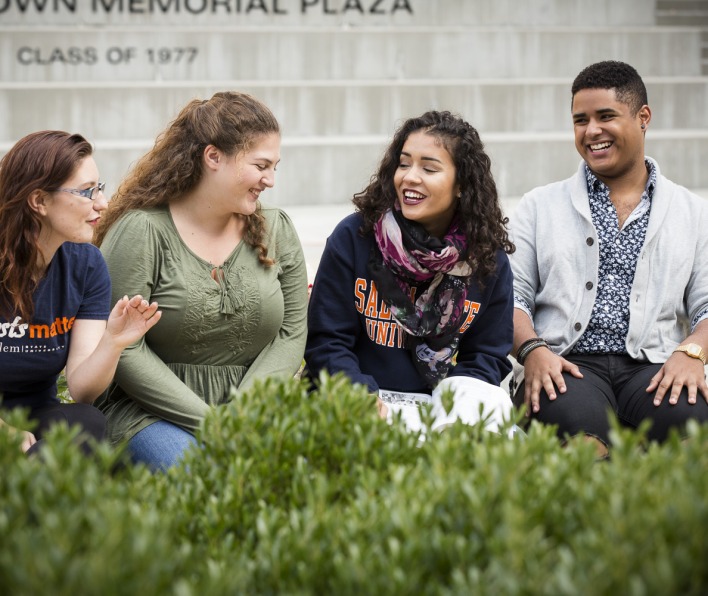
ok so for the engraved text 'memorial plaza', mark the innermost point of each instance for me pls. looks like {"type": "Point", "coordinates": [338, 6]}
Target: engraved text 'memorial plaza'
{"type": "Point", "coordinates": [222, 7]}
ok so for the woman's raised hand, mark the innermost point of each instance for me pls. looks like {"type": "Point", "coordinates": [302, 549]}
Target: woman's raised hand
{"type": "Point", "coordinates": [131, 318]}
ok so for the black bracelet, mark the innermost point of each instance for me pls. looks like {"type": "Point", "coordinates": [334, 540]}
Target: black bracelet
{"type": "Point", "coordinates": [527, 343]}
{"type": "Point", "coordinates": [529, 346]}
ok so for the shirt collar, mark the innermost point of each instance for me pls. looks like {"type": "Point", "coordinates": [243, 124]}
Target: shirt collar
{"type": "Point", "coordinates": [596, 185]}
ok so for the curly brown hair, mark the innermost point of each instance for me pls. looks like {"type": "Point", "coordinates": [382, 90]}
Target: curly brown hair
{"type": "Point", "coordinates": [480, 213]}
{"type": "Point", "coordinates": [230, 121]}
{"type": "Point", "coordinates": [42, 161]}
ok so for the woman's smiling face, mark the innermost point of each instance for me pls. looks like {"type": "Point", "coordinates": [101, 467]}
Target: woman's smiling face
{"type": "Point", "coordinates": [248, 173]}
{"type": "Point", "coordinates": [68, 217]}
{"type": "Point", "coordinates": [425, 183]}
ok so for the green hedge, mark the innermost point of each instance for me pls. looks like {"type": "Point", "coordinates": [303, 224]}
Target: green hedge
{"type": "Point", "coordinates": [303, 493]}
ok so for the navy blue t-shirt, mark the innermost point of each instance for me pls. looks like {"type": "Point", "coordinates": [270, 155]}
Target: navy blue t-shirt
{"type": "Point", "coordinates": [76, 286]}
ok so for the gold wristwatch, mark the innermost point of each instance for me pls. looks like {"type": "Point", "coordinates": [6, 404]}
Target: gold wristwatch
{"type": "Point", "coordinates": [694, 351]}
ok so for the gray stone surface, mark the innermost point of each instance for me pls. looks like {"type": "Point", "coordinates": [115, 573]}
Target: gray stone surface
{"type": "Point", "coordinates": [137, 110]}
{"type": "Point", "coordinates": [328, 170]}
{"type": "Point", "coordinates": [343, 13]}
{"type": "Point", "coordinates": [386, 53]}
{"type": "Point", "coordinates": [315, 224]}
{"type": "Point", "coordinates": [340, 75]}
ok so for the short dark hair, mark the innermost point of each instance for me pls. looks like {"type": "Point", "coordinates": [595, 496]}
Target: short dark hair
{"type": "Point", "coordinates": [611, 74]}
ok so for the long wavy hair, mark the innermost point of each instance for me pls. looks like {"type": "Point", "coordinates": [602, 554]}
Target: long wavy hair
{"type": "Point", "coordinates": [231, 122]}
{"type": "Point", "coordinates": [479, 211]}
{"type": "Point", "coordinates": [41, 161]}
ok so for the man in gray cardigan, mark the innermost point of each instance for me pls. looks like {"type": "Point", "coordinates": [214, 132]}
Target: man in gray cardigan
{"type": "Point", "coordinates": [611, 277]}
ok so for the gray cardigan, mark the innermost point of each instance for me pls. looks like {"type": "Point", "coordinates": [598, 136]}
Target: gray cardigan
{"type": "Point", "coordinates": [557, 254]}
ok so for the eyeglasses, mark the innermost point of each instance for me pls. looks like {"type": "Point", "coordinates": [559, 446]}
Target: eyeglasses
{"type": "Point", "coordinates": [89, 193]}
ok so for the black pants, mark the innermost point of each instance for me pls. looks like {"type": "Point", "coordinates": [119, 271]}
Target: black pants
{"type": "Point", "coordinates": [90, 419]}
{"type": "Point", "coordinates": [613, 384]}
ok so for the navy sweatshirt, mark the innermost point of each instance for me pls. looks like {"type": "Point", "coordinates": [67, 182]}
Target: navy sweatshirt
{"type": "Point", "coordinates": [350, 328]}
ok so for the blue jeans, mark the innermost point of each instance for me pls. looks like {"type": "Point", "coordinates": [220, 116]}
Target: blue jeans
{"type": "Point", "coordinates": [160, 445]}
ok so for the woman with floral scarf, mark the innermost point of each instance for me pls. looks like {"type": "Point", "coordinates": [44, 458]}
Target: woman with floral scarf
{"type": "Point", "coordinates": [413, 293]}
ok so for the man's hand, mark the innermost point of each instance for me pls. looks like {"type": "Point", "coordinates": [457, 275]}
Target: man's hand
{"type": "Point", "coordinates": [679, 371]}
{"type": "Point", "coordinates": [543, 370]}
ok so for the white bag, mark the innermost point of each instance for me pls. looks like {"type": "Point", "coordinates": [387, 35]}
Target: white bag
{"type": "Point", "coordinates": [469, 395]}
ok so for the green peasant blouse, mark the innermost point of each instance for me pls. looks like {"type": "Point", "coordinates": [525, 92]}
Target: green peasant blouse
{"type": "Point", "coordinates": [213, 335]}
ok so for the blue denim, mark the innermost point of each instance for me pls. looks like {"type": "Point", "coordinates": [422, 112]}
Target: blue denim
{"type": "Point", "coordinates": [160, 445]}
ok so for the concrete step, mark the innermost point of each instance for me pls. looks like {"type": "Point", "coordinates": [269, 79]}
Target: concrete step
{"type": "Point", "coordinates": [329, 170]}
{"type": "Point", "coordinates": [689, 13]}
{"type": "Point", "coordinates": [299, 13]}
{"type": "Point", "coordinates": [384, 53]}
{"type": "Point", "coordinates": [314, 224]}
{"type": "Point", "coordinates": [322, 108]}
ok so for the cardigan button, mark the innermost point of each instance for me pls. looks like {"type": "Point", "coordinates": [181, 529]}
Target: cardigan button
{"type": "Point", "coordinates": [578, 326]}
{"type": "Point", "coordinates": [588, 286]}
{"type": "Point", "coordinates": [589, 241]}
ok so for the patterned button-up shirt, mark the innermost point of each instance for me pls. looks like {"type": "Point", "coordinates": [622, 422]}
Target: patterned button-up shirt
{"type": "Point", "coordinates": [619, 250]}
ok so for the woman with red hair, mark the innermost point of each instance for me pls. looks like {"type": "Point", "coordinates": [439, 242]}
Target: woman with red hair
{"type": "Point", "coordinates": [54, 287]}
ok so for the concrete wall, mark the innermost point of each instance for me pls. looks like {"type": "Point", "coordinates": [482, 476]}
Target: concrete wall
{"type": "Point", "coordinates": [342, 74]}
{"type": "Point", "coordinates": [315, 13]}
{"type": "Point", "coordinates": [326, 53]}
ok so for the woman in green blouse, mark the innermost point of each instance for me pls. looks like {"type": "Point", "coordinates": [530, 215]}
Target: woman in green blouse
{"type": "Point", "coordinates": [186, 229]}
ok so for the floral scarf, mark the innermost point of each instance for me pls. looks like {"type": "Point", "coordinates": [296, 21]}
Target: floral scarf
{"type": "Point", "coordinates": [407, 256]}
